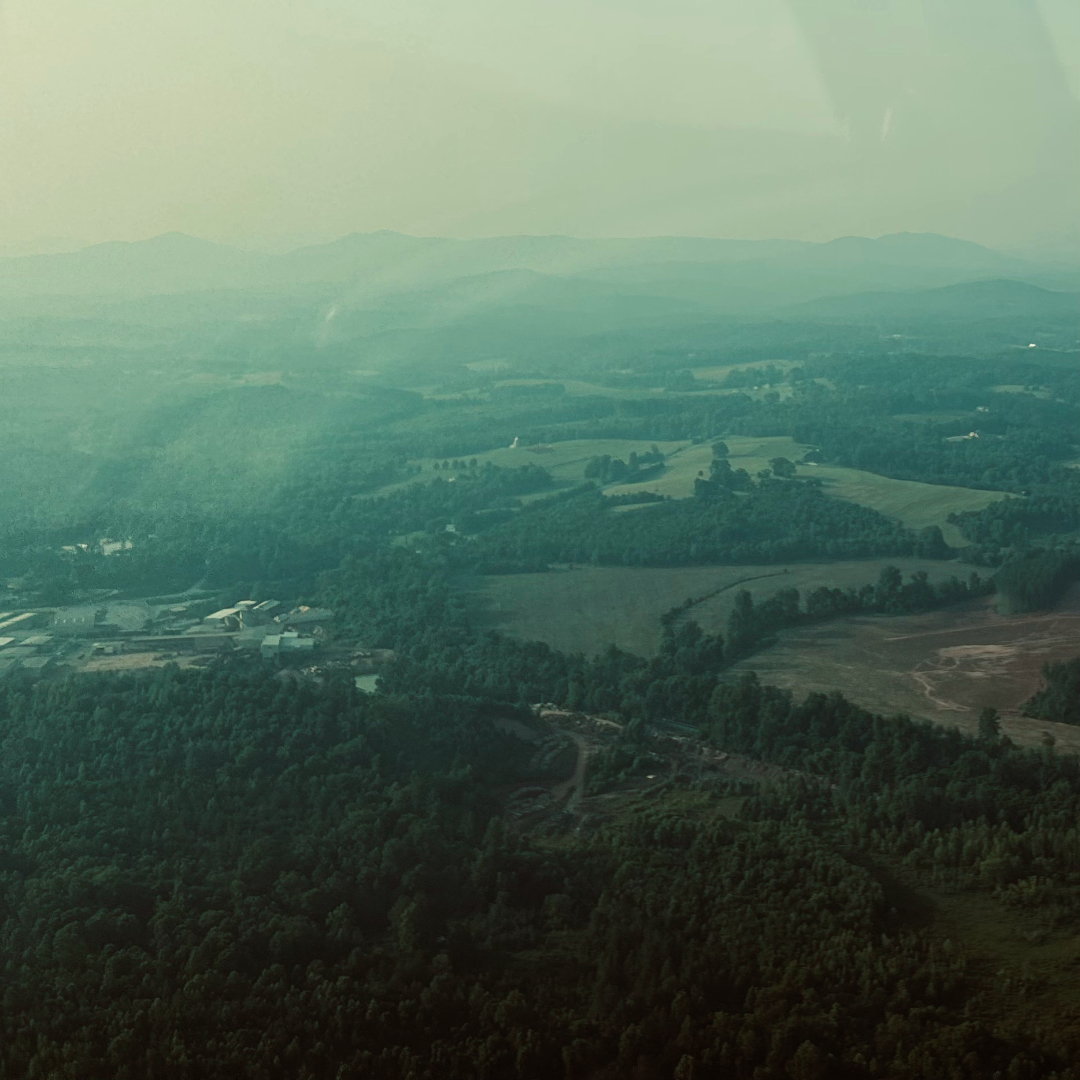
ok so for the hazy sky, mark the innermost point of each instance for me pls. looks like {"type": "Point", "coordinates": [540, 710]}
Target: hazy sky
{"type": "Point", "coordinates": [271, 122]}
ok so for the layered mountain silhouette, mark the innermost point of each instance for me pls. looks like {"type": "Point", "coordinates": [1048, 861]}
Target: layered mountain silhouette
{"type": "Point", "coordinates": [693, 269]}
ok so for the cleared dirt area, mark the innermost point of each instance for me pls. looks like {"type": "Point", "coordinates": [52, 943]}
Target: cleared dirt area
{"type": "Point", "coordinates": [943, 666]}
{"type": "Point", "coordinates": [588, 608]}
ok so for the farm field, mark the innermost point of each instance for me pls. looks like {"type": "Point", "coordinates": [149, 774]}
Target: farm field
{"type": "Point", "coordinates": [915, 504]}
{"type": "Point", "coordinates": [587, 608]}
{"type": "Point", "coordinates": [943, 666]}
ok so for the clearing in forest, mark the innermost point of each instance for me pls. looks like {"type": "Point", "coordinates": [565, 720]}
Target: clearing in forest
{"type": "Point", "coordinates": [942, 665]}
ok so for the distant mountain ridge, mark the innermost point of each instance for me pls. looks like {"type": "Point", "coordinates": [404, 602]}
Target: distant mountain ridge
{"type": "Point", "coordinates": [388, 262]}
{"type": "Point", "coordinates": [990, 298]}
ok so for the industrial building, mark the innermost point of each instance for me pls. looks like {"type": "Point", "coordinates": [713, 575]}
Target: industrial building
{"type": "Point", "coordinates": [305, 616]}
{"type": "Point", "coordinates": [287, 642]}
{"type": "Point", "coordinates": [228, 618]}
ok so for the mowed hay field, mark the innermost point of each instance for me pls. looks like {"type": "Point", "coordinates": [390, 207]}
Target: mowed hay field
{"type": "Point", "coordinates": [588, 608]}
{"type": "Point", "coordinates": [943, 666]}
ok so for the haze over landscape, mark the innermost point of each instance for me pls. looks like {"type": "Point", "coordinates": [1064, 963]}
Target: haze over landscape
{"type": "Point", "coordinates": [273, 124]}
{"type": "Point", "coordinates": [539, 540]}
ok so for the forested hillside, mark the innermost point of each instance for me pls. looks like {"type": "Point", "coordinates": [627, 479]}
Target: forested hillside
{"type": "Point", "coordinates": [227, 874]}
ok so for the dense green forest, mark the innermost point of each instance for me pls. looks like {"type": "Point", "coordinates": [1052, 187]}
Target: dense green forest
{"type": "Point", "coordinates": [1036, 578]}
{"type": "Point", "coordinates": [222, 873]}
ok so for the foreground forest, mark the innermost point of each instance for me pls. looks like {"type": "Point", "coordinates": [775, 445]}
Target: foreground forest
{"type": "Point", "coordinates": [221, 873]}
{"type": "Point", "coordinates": [242, 867]}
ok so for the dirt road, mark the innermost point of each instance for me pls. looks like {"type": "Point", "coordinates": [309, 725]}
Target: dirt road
{"type": "Point", "coordinates": [575, 785]}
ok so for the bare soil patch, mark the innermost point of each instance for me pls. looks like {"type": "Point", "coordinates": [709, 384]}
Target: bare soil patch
{"type": "Point", "coordinates": [943, 666]}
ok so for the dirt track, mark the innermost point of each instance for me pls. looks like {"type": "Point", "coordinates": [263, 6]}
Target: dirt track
{"type": "Point", "coordinates": [575, 785]}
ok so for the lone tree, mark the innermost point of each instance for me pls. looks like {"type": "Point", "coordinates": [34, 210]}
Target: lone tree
{"type": "Point", "coordinates": [782, 467]}
{"type": "Point", "coordinates": [989, 725]}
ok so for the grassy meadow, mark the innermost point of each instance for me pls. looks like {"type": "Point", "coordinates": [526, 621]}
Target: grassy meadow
{"type": "Point", "coordinates": [586, 608]}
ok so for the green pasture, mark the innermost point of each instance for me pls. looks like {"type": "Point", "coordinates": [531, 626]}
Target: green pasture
{"type": "Point", "coordinates": [916, 504]}
{"type": "Point", "coordinates": [587, 608]}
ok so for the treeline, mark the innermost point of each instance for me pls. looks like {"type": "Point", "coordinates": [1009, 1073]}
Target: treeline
{"type": "Point", "coordinates": [772, 521]}
{"type": "Point", "coordinates": [1059, 699]}
{"type": "Point", "coordinates": [750, 625]}
{"type": "Point", "coordinates": [608, 470]}
{"type": "Point", "coordinates": [1036, 580]}
{"type": "Point", "coordinates": [1015, 524]}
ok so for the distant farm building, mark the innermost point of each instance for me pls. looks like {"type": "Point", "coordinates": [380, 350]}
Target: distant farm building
{"type": "Point", "coordinates": [113, 547]}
